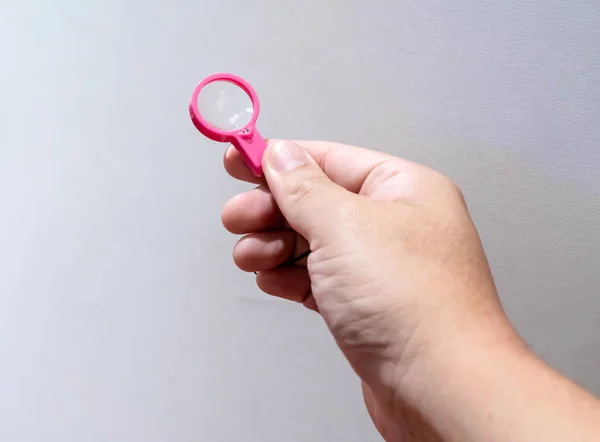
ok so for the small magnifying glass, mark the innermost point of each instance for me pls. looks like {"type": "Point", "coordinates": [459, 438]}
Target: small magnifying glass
{"type": "Point", "coordinates": [224, 108]}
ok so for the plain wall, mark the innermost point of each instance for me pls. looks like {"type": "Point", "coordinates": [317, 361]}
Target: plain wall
{"type": "Point", "coordinates": [122, 316]}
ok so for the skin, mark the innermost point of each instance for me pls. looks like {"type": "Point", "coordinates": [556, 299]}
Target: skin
{"type": "Point", "coordinates": [398, 273]}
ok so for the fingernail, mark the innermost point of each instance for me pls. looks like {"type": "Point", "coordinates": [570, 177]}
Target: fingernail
{"type": "Point", "coordinates": [285, 156]}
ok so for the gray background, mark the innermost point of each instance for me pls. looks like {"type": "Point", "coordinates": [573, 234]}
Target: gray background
{"type": "Point", "coordinates": [122, 317]}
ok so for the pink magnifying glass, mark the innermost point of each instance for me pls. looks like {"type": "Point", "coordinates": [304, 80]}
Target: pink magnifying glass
{"type": "Point", "coordinates": [225, 108]}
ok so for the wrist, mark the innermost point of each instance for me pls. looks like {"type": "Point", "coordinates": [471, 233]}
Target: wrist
{"type": "Point", "coordinates": [448, 376]}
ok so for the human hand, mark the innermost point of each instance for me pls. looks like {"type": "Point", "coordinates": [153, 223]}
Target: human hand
{"type": "Point", "coordinates": [397, 269]}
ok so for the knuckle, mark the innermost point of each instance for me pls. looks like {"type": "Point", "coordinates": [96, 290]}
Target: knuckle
{"type": "Point", "coordinates": [449, 185]}
{"type": "Point", "coordinates": [454, 191]}
{"type": "Point", "coordinates": [300, 190]}
{"type": "Point", "coordinates": [454, 187]}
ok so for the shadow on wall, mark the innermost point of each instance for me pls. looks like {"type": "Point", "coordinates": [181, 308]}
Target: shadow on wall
{"type": "Point", "coordinates": [542, 237]}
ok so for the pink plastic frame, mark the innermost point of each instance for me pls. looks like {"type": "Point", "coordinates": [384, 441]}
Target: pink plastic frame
{"type": "Point", "coordinates": [246, 140]}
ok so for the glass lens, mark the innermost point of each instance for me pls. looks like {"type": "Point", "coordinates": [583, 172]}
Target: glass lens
{"type": "Point", "coordinates": [225, 106]}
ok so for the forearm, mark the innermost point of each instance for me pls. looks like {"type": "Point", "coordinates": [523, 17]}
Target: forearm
{"type": "Point", "coordinates": [499, 392]}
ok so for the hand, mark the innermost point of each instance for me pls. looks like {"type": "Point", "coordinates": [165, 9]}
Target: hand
{"type": "Point", "coordinates": [398, 273]}
{"type": "Point", "coordinates": [396, 267]}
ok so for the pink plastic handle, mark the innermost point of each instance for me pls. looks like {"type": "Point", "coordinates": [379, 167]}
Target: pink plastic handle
{"type": "Point", "coordinates": [246, 140]}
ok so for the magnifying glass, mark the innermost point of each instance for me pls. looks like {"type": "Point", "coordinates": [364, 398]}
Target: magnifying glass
{"type": "Point", "coordinates": [224, 108]}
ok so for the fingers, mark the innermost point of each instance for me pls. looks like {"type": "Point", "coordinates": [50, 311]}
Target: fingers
{"type": "Point", "coordinates": [291, 283]}
{"type": "Point", "coordinates": [252, 211]}
{"type": "Point", "coordinates": [264, 252]}
{"type": "Point", "coordinates": [235, 166]}
{"type": "Point", "coordinates": [347, 166]}
{"type": "Point", "coordinates": [307, 198]}
{"type": "Point", "coordinates": [267, 250]}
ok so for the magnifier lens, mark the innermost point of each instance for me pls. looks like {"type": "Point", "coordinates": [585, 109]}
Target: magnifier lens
{"type": "Point", "coordinates": [225, 106]}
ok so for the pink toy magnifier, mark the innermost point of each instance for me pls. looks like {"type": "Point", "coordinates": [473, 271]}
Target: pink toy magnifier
{"type": "Point", "coordinates": [225, 108]}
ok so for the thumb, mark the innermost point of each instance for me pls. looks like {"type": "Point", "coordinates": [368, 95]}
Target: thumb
{"type": "Point", "coordinates": [308, 199]}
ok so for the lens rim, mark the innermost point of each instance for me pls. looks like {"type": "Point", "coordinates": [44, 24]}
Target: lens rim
{"type": "Point", "coordinates": [215, 133]}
